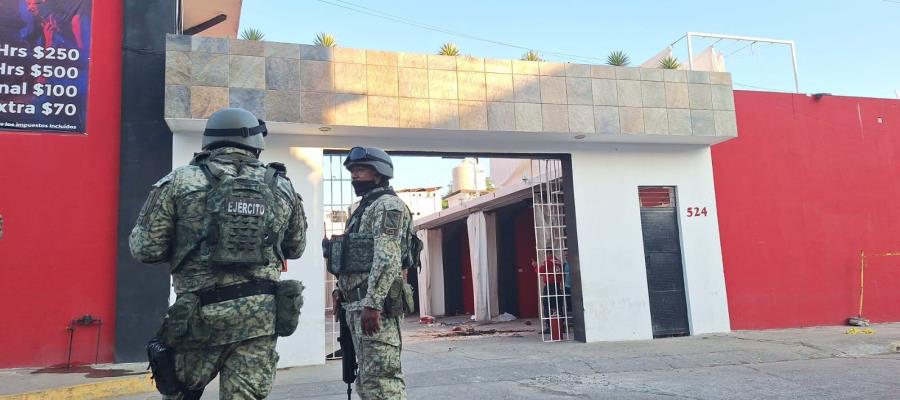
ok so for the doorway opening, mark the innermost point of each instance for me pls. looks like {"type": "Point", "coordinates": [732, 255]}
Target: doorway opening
{"type": "Point", "coordinates": [662, 255]}
{"type": "Point", "coordinates": [496, 237]}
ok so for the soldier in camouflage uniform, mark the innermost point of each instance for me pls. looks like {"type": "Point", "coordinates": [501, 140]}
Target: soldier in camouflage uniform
{"type": "Point", "coordinates": [231, 325]}
{"type": "Point", "coordinates": [371, 298]}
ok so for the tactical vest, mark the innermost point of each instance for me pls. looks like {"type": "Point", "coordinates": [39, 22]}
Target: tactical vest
{"type": "Point", "coordinates": [240, 214]}
{"type": "Point", "coordinates": [353, 252]}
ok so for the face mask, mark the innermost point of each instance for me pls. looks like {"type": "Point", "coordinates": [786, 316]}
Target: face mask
{"type": "Point", "coordinates": [363, 187]}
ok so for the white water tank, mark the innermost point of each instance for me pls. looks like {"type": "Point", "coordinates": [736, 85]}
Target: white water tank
{"type": "Point", "coordinates": [468, 175]}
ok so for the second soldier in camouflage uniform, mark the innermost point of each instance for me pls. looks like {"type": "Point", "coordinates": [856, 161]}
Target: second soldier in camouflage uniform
{"type": "Point", "coordinates": [371, 298]}
{"type": "Point", "coordinates": [224, 319]}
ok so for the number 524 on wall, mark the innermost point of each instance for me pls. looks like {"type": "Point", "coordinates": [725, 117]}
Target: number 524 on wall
{"type": "Point", "coordinates": [696, 212]}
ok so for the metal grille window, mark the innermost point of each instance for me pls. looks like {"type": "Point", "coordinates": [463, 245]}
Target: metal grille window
{"type": "Point", "coordinates": [338, 198]}
{"type": "Point", "coordinates": [554, 279]}
{"type": "Point", "coordinates": [656, 196]}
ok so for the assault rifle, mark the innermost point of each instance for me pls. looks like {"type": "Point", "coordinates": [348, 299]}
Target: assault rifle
{"type": "Point", "coordinates": [348, 352]}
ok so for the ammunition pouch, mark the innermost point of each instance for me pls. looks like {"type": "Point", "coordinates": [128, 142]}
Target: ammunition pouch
{"type": "Point", "coordinates": [399, 300]}
{"type": "Point", "coordinates": [288, 302]}
{"type": "Point", "coordinates": [348, 253]}
{"type": "Point", "coordinates": [183, 326]}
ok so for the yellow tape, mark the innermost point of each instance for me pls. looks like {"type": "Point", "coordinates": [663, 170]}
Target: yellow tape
{"type": "Point", "coordinates": [862, 268]}
{"type": "Point", "coordinates": [107, 388]}
{"type": "Point", "coordinates": [855, 331]}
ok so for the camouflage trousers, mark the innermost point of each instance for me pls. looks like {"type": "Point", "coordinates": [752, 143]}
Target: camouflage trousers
{"type": "Point", "coordinates": [246, 369]}
{"type": "Point", "coordinates": [380, 374]}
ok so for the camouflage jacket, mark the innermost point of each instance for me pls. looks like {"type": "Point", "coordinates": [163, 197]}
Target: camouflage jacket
{"type": "Point", "coordinates": [171, 227]}
{"type": "Point", "coordinates": [388, 220]}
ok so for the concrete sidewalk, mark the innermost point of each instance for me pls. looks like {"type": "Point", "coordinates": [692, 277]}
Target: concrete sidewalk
{"type": "Point", "coordinates": [814, 363]}
{"type": "Point", "coordinates": [77, 382]}
{"type": "Point", "coordinates": [820, 363]}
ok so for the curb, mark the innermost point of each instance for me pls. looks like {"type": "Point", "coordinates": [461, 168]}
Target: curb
{"type": "Point", "coordinates": [107, 388]}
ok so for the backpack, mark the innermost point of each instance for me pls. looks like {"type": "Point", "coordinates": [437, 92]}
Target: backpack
{"type": "Point", "coordinates": [414, 246]}
{"type": "Point", "coordinates": [240, 214]}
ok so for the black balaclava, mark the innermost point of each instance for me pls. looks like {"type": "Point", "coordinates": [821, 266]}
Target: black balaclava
{"type": "Point", "coordinates": [363, 187]}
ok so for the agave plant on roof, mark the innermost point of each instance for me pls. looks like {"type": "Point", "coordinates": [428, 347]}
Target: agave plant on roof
{"type": "Point", "coordinates": [531, 55]}
{"type": "Point", "coordinates": [325, 40]}
{"type": "Point", "coordinates": [252, 34]}
{"type": "Point", "coordinates": [618, 58]}
{"type": "Point", "coordinates": [448, 49]}
{"type": "Point", "coordinates": [669, 62]}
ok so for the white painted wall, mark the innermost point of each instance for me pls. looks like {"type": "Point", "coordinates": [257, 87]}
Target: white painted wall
{"type": "Point", "coordinates": [509, 171]}
{"type": "Point", "coordinates": [435, 288]}
{"type": "Point", "coordinates": [304, 166]}
{"type": "Point", "coordinates": [422, 204]}
{"type": "Point", "coordinates": [610, 243]}
{"type": "Point", "coordinates": [605, 178]}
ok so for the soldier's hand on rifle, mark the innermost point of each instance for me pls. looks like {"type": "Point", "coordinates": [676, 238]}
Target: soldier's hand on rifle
{"type": "Point", "coordinates": [336, 301]}
{"type": "Point", "coordinates": [371, 321]}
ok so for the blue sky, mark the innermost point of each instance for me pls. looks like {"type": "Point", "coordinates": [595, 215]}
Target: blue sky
{"type": "Point", "coordinates": [843, 47]}
{"type": "Point", "coordinates": [425, 171]}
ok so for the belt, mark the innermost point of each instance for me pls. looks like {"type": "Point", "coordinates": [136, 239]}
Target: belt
{"type": "Point", "coordinates": [231, 292]}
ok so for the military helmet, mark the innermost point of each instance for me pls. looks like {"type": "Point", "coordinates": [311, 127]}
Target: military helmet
{"type": "Point", "coordinates": [373, 157]}
{"type": "Point", "coordinates": [237, 126]}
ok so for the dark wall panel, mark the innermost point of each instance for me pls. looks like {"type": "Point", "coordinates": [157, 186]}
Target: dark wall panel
{"type": "Point", "coordinates": [146, 155]}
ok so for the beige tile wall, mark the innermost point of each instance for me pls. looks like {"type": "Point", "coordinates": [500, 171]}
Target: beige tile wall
{"type": "Point", "coordinates": [301, 83]}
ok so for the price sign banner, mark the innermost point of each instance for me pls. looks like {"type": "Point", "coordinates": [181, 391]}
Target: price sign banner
{"type": "Point", "coordinates": [44, 59]}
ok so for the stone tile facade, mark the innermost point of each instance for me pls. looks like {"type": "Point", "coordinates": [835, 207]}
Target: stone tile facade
{"type": "Point", "coordinates": [301, 83]}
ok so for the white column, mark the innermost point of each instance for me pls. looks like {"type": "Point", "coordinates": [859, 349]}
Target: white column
{"type": "Point", "coordinates": [435, 289]}
{"type": "Point", "coordinates": [478, 256]}
{"type": "Point", "coordinates": [424, 276]}
{"type": "Point", "coordinates": [491, 232]}
{"type": "Point", "coordinates": [304, 166]}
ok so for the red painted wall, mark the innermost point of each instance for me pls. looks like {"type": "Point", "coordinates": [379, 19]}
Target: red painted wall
{"type": "Point", "coordinates": [526, 276]}
{"type": "Point", "coordinates": [806, 187]}
{"type": "Point", "coordinates": [59, 200]}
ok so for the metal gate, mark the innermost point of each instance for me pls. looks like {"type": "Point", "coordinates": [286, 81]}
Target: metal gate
{"type": "Point", "coordinates": [338, 197]}
{"type": "Point", "coordinates": [554, 282]}
{"type": "Point", "coordinates": [662, 255]}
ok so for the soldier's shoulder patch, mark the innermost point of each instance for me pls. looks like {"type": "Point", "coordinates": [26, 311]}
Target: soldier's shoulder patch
{"type": "Point", "coordinates": [164, 180]}
{"type": "Point", "coordinates": [391, 224]}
